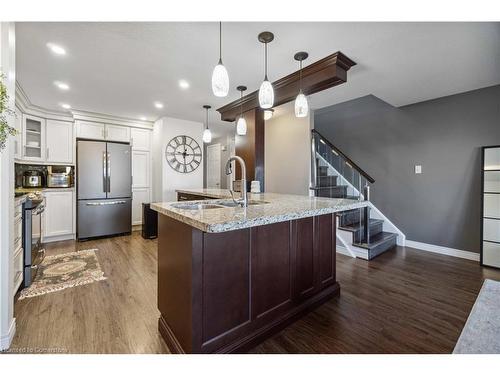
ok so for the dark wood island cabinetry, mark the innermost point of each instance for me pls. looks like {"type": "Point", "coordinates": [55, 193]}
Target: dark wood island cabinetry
{"type": "Point", "coordinates": [225, 292]}
{"type": "Point", "coordinates": [229, 278]}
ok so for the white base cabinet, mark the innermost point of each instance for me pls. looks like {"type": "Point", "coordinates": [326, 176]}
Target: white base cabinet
{"type": "Point", "coordinates": [58, 216]}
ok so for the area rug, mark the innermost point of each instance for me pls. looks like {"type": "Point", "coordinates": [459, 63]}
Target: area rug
{"type": "Point", "coordinates": [481, 333]}
{"type": "Point", "coordinates": [58, 272]}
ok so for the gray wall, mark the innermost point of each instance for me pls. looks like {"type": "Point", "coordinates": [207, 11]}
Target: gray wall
{"type": "Point", "coordinates": [441, 206]}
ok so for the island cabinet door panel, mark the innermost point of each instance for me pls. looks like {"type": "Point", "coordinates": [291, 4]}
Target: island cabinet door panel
{"type": "Point", "coordinates": [225, 287]}
{"type": "Point", "coordinates": [306, 258]}
{"type": "Point", "coordinates": [272, 269]}
{"type": "Point", "coordinates": [325, 247]}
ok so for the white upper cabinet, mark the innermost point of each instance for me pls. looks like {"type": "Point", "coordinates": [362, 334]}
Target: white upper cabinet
{"type": "Point", "coordinates": [140, 139]}
{"type": "Point", "coordinates": [59, 142]}
{"type": "Point", "coordinates": [33, 138]}
{"type": "Point", "coordinates": [117, 133]}
{"type": "Point", "coordinates": [99, 131]}
{"type": "Point", "coordinates": [90, 130]}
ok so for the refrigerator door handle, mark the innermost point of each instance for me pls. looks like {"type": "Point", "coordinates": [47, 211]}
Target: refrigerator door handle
{"type": "Point", "coordinates": [105, 203]}
{"type": "Point", "coordinates": [104, 171]}
{"type": "Point", "coordinates": [109, 172]}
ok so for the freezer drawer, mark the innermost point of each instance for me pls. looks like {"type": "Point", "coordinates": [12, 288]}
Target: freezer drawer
{"type": "Point", "coordinates": [104, 217]}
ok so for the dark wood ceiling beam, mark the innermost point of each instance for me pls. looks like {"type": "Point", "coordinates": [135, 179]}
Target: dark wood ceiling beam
{"type": "Point", "coordinates": [318, 76]}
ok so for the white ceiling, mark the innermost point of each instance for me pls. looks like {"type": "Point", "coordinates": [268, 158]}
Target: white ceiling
{"type": "Point", "coordinates": [122, 68]}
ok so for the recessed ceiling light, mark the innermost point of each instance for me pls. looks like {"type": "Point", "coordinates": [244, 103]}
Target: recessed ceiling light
{"type": "Point", "coordinates": [158, 105]}
{"type": "Point", "coordinates": [143, 118]}
{"type": "Point", "coordinates": [58, 50]}
{"type": "Point", "coordinates": [62, 85]}
{"type": "Point", "coordinates": [65, 106]}
{"type": "Point", "coordinates": [183, 84]}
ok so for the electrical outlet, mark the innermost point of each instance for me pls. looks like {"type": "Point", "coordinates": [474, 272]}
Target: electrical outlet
{"type": "Point", "coordinates": [418, 169]}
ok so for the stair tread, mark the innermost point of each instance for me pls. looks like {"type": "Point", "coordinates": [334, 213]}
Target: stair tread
{"type": "Point", "coordinates": [355, 226]}
{"type": "Point", "coordinates": [377, 240]}
{"type": "Point", "coordinates": [330, 187]}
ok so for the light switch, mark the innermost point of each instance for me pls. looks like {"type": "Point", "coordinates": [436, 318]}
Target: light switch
{"type": "Point", "coordinates": [418, 169]}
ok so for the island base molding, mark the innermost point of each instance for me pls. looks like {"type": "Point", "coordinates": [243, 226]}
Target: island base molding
{"type": "Point", "coordinates": [226, 292]}
{"type": "Point", "coordinates": [246, 343]}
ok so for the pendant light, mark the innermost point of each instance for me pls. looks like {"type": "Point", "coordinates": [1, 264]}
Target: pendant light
{"type": "Point", "coordinates": [268, 114]}
{"type": "Point", "coordinates": [207, 134]}
{"type": "Point", "coordinates": [266, 91]}
{"type": "Point", "coordinates": [301, 105]}
{"type": "Point", "coordinates": [220, 78]}
{"type": "Point", "coordinates": [241, 124]}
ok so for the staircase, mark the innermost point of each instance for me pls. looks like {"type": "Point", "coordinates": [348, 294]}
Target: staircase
{"type": "Point", "coordinates": [336, 176]}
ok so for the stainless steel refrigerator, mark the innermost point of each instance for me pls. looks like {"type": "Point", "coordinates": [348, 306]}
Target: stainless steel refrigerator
{"type": "Point", "coordinates": [104, 189]}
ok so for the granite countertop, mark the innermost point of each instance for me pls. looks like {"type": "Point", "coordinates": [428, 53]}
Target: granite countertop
{"type": "Point", "coordinates": [279, 207]}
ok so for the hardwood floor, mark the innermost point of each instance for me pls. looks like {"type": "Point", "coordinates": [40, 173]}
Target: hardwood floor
{"type": "Point", "coordinates": [404, 301]}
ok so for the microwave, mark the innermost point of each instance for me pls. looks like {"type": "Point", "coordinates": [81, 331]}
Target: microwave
{"type": "Point", "coordinates": [59, 176]}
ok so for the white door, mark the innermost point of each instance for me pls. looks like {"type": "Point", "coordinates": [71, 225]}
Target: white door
{"type": "Point", "coordinates": [117, 133]}
{"type": "Point", "coordinates": [58, 214]}
{"type": "Point", "coordinates": [139, 196]}
{"type": "Point", "coordinates": [140, 169]}
{"type": "Point", "coordinates": [59, 141]}
{"type": "Point", "coordinates": [89, 130]}
{"type": "Point", "coordinates": [140, 139]}
{"type": "Point", "coordinates": [213, 166]}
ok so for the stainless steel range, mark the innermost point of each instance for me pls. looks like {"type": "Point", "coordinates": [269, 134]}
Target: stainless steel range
{"type": "Point", "coordinates": [32, 236]}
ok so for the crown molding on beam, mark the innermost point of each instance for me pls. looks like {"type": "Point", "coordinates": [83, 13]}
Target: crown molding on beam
{"type": "Point", "coordinates": [323, 74]}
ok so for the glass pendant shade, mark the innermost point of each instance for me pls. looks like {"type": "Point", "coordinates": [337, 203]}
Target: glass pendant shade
{"type": "Point", "coordinates": [301, 105]}
{"type": "Point", "coordinates": [266, 95]}
{"type": "Point", "coordinates": [241, 126]}
{"type": "Point", "coordinates": [220, 80]}
{"type": "Point", "coordinates": [207, 135]}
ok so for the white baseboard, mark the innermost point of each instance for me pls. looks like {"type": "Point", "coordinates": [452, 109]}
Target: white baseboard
{"type": "Point", "coordinates": [443, 250]}
{"type": "Point", "coordinates": [6, 339]}
{"type": "Point", "coordinates": [136, 227]}
{"type": "Point", "coordinates": [343, 250]}
{"type": "Point", "coordinates": [63, 237]}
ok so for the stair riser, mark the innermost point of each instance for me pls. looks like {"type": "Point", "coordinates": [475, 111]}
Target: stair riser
{"type": "Point", "coordinates": [381, 248]}
{"type": "Point", "coordinates": [326, 180]}
{"type": "Point", "coordinates": [348, 218]}
{"type": "Point", "coordinates": [374, 230]}
{"type": "Point", "coordinates": [334, 192]}
{"type": "Point", "coordinates": [322, 171]}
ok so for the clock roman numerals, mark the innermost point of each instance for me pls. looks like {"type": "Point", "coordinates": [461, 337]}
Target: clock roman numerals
{"type": "Point", "coordinates": [183, 154]}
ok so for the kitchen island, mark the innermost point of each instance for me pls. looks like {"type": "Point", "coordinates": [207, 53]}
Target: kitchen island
{"type": "Point", "coordinates": [229, 277]}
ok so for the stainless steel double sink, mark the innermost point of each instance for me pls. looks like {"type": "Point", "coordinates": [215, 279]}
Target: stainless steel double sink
{"type": "Point", "coordinates": [211, 205]}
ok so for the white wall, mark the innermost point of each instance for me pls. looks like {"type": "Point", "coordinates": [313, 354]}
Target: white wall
{"type": "Point", "coordinates": [287, 152]}
{"type": "Point", "coordinates": [7, 321]}
{"type": "Point", "coordinates": [165, 179]}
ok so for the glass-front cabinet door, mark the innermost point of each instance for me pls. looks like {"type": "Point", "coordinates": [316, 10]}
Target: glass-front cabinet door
{"type": "Point", "coordinates": [33, 138]}
{"type": "Point", "coordinates": [490, 236]}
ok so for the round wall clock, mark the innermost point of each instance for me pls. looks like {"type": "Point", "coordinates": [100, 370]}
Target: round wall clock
{"type": "Point", "coordinates": [183, 154]}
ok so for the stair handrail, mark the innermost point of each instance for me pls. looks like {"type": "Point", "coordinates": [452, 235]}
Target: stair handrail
{"type": "Point", "coordinates": [347, 159]}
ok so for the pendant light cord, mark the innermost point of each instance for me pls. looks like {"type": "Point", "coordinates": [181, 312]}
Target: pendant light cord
{"type": "Point", "coordinates": [300, 76]}
{"type": "Point", "coordinates": [241, 103]}
{"type": "Point", "coordinates": [220, 42]}
{"type": "Point", "coordinates": [207, 119]}
{"type": "Point", "coordinates": [265, 58]}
